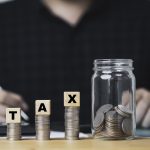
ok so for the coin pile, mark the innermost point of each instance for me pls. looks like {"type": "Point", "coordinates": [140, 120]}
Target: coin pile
{"type": "Point", "coordinates": [72, 123]}
{"type": "Point", "coordinates": [42, 125]}
{"type": "Point", "coordinates": [112, 122]}
{"type": "Point", "coordinates": [14, 131]}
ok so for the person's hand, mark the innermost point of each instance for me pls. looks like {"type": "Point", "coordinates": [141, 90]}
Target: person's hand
{"type": "Point", "coordinates": [143, 107]}
{"type": "Point", "coordinates": [9, 99]}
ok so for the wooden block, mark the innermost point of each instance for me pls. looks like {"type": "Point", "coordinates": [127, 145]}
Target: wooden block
{"type": "Point", "coordinates": [42, 107]}
{"type": "Point", "coordinates": [72, 99]}
{"type": "Point", "coordinates": [13, 115]}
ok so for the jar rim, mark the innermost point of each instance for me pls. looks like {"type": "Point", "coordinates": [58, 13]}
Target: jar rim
{"type": "Point", "coordinates": [112, 63]}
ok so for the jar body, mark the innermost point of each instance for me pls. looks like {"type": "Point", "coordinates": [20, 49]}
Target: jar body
{"type": "Point", "coordinates": [113, 100]}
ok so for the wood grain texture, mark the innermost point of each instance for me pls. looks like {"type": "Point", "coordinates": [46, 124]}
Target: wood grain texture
{"type": "Point", "coordinates": [88, 144]}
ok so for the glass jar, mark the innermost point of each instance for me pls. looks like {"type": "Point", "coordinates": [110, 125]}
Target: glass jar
{"type": "Point", "coordinates": [113, 99]}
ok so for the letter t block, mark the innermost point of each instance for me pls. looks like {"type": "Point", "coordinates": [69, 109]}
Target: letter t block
{"type": "Point", "coordinates": [13, 115]}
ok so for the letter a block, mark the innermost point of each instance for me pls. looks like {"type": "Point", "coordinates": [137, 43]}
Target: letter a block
{"type": "Point", "coordinates": [13, 115]}
{"type": "Point", "coordinates": [72, 99]}
{"type": "Point", "coordinates": [42, 107]}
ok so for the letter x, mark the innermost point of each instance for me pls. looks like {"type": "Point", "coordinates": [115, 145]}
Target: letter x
{"type": "Point", "coordinates": [72, 99]}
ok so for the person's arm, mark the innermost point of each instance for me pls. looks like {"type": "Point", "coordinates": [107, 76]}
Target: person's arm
{"type": "Point", "coordinates": [143, 107]}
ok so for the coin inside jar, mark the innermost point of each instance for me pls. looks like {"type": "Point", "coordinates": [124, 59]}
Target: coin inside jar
{"type": "Point", "coordinates": [99, 120]}
{"type": "Point", "coordinates": [111, 115]}
{"type": "Point", "coordinates": [124, 110]}
{"type": "Point", "coordinates": [114, 124]}
{"type": "Point", "coordinates": [127, 126]}
{"type": "Point", "coordinates": [105, 108]}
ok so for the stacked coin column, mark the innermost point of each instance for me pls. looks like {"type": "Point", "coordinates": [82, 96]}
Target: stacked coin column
{"type": "Point", "coordinates": [72, 108]}
{"type": "Point", "coordinates": [13, 120]}
{"type": "Point", "coordinates": [42, 119]}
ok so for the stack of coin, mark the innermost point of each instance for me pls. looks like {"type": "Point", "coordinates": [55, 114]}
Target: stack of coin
{"type": "Point", "coordinates": [112, 122]}
{"type": "Point", "coordinates": [98, 123]}
{"type": "Point", "coordinates": [127, 121]}
{"type": "Point", "coordinates": [14, 131]}
{"type": "Point", "coordinates": [42, 125]}
{"type": "Point", "coordinates": [72, 123]}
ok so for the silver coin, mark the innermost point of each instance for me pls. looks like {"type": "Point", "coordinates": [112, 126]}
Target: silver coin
{"type": "Point", "coordinates": [113, 125]}
{"type": "Point", "coordinates": [99, 129]}
{"type": "Point", "coordinates": [99, 120]}
{"type": "Point", "coordinates": [42, 125]}
{"type": "Point", "coordinates": [14, 131]}
{"type": "Point", "coordinates": [105, 108]}
{"type": "Point", "coordinates": [71, 123]}
{"type": "Point", "coordinates": [111, 115]}
{"type": "Point", "coordinates": [127, 126]}
{"type": "Point", "coordinates": [117, 123]}
{"type": "Point", "coordinates": [125, 110]}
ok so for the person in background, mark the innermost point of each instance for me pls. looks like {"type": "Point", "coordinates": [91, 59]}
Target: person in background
{"type": "Point", "coordinates": [48, 46]}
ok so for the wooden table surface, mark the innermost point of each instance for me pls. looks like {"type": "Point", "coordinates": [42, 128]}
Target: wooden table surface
{"type": "Point", "coordinates": [88, 144]}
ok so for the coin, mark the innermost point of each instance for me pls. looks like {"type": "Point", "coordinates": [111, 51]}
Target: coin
{"type": "Point", "coordinates": [99, 120]}
{"type": "Point", "coordinates": [124, 111]}
{"type": "Point", "coordinates": [105, 108]}
{"type": "Point", "coordinates": [72, 123]}
{"type": "Point", "coordinates": [127, 126]}
{"type": "Point", "coordinates": [111, 115]}
{"type": "Point", "coordinates": [100, 134]}
{"type": "Point", "coordinates": [42, 125]}
{"type": "Point", "coordinates": [14, 131]}
{"type": "Point", "coordinates": [115, 123]}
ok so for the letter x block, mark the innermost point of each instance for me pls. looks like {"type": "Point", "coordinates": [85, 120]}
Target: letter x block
{"type": "Point", "coordinates": [72, 99]}
{"type": "Point", "coordinates": [42, 107]}
{"type": "Point", "coordinates": [13, 115]}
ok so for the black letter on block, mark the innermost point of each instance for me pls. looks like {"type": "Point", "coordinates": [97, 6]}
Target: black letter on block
{"type": "Point", "coordinates": [42, 107]}
{"type": "Point", "coordinates": [13, 114]}
{"type": "Point", "coordinates": [72, 99]}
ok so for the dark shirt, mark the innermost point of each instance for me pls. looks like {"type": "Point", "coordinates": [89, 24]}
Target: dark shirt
{"type": "Point", "coordinates": [41, 56]}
